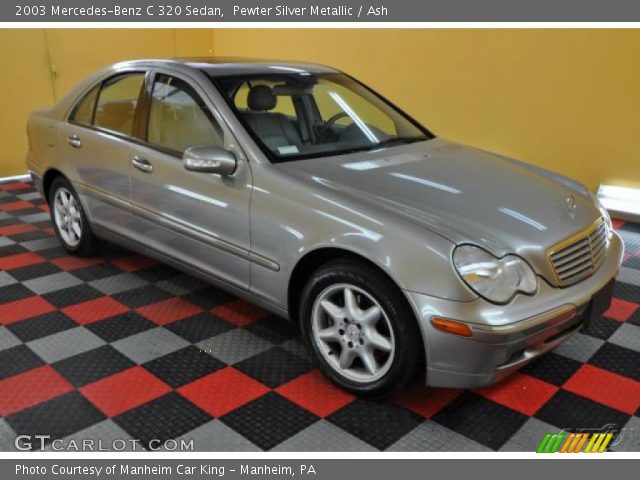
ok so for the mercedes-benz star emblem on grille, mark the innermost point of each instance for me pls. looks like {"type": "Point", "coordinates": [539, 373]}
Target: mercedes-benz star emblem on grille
{"type": "Point", "coordinates": [571, 206]}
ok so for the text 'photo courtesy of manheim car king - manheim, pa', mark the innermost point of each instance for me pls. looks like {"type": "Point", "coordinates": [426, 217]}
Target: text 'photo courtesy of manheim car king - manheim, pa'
{"type": "Point", "coordinates": [298, 187]}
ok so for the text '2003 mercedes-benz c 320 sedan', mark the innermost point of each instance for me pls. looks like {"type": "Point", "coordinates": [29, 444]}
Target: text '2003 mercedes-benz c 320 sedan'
{"type": "Point", "coordinates": [296, 186]}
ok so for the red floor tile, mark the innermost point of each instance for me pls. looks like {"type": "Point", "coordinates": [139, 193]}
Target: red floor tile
{"type": "Point", "coordinates": [125, 390]}
{"type": "Point", "coordinates": [19, 205]}
{"type": "Point", "coordinates": [17, 229]}
{"type": "Point", "coordinates": [617, 223]}
{"type": "Point", "coordinates": [239, 312]}
{"type": "Point", "coordinates": [315, 393]}
{"type": "Point", "coordinates": [94, 310]}
{"type": "Point", "coordinates": [18, 310]}
{"type": "Point", "coordinates": [223, 391]}
{"type": "Point", "coordinates": [621, 310]}
{"type": "Point", "coordinates": [426, 401]}
{"type": "Point", "coordinates": [134, 262]}
{"type": "Point", "coordinates": [20, 260]}
{"type": "Point", "coordinates": [14, 186]}
{"type": "Point", "coordinates": [520, 392]}
{"type": "Point", "coordinates": [169, 311]}
{"type": "Point", "coordinates": [605, 387]}
{"type": "Point", "coordinates": [30, 388]}
{"type": "Point", "coordinates": [74, 263]}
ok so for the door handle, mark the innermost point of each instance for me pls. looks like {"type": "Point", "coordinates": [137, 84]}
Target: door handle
{"type": "Point", "coordinates": [142, 164]}
{"type": "Point", "coordinates": [74, 141]}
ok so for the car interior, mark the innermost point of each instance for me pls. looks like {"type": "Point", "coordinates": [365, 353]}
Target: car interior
{"type": "Point", "coordinates": [297, 116]}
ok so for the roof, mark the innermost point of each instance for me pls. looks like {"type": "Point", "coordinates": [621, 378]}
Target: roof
{"type": "Point", "coordinates": [222, 66]}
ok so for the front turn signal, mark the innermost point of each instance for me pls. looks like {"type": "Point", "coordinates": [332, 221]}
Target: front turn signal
{"type": "Point", "coordinates": [451, 326]}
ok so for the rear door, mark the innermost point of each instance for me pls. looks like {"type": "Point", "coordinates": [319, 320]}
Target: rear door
{"type": "Point", "coordinates": [97, 143]}
{"type": "Point", "coordinates": [197, 218]}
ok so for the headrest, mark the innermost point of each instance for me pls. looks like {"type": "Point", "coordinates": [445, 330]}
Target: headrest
{"type": "Point", "coordinates": [261, 98]}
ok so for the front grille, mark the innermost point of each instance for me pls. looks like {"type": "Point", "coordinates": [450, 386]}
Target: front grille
{"type": "Point", "coordinates": [580, 255]}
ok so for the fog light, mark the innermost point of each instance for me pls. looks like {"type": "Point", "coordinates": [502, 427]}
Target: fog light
{"type": "Point", "coordinates": [451, 326]}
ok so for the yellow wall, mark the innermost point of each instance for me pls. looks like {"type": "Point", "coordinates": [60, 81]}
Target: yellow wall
{"type": "Point", "coordinates": [568, 100]}
{"type": "Point", "coordinates": [42, 65]}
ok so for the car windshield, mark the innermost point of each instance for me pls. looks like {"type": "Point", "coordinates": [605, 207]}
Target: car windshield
{"type": "Point", "coordinates": [298, 115]}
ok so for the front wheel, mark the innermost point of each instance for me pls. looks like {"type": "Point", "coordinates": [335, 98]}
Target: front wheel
{"type": "Point", "coordinates": [360, 329]}
{"type": "Point", "coordinates": [69, 220]}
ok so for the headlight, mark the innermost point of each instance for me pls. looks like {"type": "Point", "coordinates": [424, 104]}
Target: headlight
{"type": "Point", "coordinates": [496, 279]}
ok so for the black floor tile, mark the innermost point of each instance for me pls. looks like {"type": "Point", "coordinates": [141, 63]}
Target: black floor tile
{"type": "Point", "coordinates": [269, 420]}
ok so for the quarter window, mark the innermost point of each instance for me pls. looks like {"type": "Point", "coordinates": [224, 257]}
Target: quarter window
{"type": "Point", "coordinates": [117, 103]}
{"type": "Point", "coordinates": [83, 112]}
{"type": "Point", "coordinates": [178, 118]}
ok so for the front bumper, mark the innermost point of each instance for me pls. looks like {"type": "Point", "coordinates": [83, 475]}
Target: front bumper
{"type": "Point", "coordinates": [506, 337]}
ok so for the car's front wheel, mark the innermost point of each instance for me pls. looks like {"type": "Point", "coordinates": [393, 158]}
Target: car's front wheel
{"type": "Point", "coordinates": [360, 329]}
{"type": "Point", "coordinates": [69, 220]}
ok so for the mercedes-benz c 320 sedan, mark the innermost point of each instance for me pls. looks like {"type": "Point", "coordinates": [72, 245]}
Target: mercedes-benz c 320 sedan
{"type": "Point", "coordinates": [301, 189]}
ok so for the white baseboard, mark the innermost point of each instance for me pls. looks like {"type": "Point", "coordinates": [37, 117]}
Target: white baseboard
{"type": "Point", "coordinates": [16, 178]}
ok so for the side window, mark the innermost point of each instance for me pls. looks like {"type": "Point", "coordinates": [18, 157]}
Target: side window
{"type": "Point", "coordinates": [178, 118]}
{"type": "Point", "coordinates": [83, 113]}
{"type": "Point", "coordinates": [117, 102]}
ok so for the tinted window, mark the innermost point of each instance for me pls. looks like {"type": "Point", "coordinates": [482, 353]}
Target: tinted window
{"type": "Point", "coordinates": [178, 118]}
{"type": "Point", "coordinates": [117, 102]}
{"type": "Point", "coordinates": [83, 112]}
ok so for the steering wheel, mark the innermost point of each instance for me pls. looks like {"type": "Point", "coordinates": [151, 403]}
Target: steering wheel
{"type": "Point", "coordinates": [333, 119]}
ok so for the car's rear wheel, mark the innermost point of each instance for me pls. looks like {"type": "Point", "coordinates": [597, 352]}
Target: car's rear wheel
{"type": "Point", "coordinates": [69, 220]}
{"type": "Point", "coordinates": [360, 329]}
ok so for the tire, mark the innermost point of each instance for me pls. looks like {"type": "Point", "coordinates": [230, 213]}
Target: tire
{"type": "Point", "coordinates": [329, 331]}
{"type": "Point", "coordinates": [69, 220]}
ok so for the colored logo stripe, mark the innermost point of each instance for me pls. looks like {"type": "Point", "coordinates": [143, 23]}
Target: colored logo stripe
{"type": "Point", "coordinates": [574, 442]}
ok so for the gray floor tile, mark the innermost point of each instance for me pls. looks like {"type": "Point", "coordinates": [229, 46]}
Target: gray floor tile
{"type": "Point", "coordinates": [102, 437]}
{"type": "Point", "coordinates": [234, 346]}
{"type": "Point", "coordinates": [629, 438]}
{"type": "Point", "coordinates": [215, 436]}
{"type": "Point", "coordinates": [629, 275]}
{"type": "Point", "coordinates": [7, 437]}
{"type": "Point", "coordinates": [529, 436]}
{"type": "Point", "coordinates": [118, 283]}
{"type": "Point", "coordinates": [579, 347]}
{"type": "Point", "coordinates": [52, 283]}
{"type": "Point", "coordinates": [41, 244]}
{"type": "Point", "coordinates": [6, 279]}
{"type": "Point", "coordinates": [7, 339]}
{"type": "Point", "coordinates": [323, 436]}
{"type": "Point", "coordinates": [4, 241]}
{"type": "Point", "coordinates": [35, 217]}
{"type": "Point", "coordinates": [151, 344]}
{"type": "Point", "coordinates": [65, 344]}
{"type": "Point", "coordinates": [433, 437]}
{"type": "Point", "coordinates": [628, 335]}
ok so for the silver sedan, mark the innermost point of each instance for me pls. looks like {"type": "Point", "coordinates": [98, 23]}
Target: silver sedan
{"type": "Point", "coordinates": [301, 189]}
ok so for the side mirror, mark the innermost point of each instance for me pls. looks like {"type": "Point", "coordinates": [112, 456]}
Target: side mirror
{"type": "Point", "coordinates": [209, 159]}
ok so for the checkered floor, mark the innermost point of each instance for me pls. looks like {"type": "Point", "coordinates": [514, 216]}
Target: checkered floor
{"type": "Point", "coordinates": [120, 346]}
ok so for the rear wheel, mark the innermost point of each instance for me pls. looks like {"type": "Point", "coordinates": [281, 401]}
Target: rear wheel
{"type": "Point", "coordinates": [69, 220]}
{"type": "Point", "coordinates": [360, 329]}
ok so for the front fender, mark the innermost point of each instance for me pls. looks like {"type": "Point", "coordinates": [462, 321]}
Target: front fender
{"type": "Point", "coordinates": [290, 220]}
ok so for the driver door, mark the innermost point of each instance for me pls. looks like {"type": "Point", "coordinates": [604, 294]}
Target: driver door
{"type": "Point", "coordinates": [196, 218]}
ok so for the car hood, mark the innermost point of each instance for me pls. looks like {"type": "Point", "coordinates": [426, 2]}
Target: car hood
{"type": "Point", "coordinates": [459, 192]}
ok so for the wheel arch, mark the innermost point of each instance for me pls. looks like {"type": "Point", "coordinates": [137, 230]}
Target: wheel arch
{"type": "Point", "coordinates": [314, 259]}
{"type": "Point", "coordinates": [47, 180]}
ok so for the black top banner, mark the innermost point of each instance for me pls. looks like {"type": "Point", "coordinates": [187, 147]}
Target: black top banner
{"type": "Point", "coordinates": [319, 11]}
